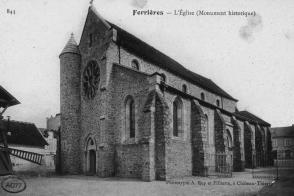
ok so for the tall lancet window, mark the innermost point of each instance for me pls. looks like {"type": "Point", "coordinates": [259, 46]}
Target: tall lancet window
{"type": "Point", "coordinates": [90, 39]}
{"type": "Point", "coordinates": [229, 141]}
{"type": "Point", "coordinates": [130, 117]}
{"type": "Point", "coordinates": [177, 117]}
{"type": "Point", "coordinates": [207, 128]}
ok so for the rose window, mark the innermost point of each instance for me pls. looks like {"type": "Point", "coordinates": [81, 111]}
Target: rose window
{"type": "Point", "coordinates": [91, 79]}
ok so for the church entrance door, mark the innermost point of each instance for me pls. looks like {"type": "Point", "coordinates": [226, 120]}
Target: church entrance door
{"type": "Point", "coordinates": [92, 156]}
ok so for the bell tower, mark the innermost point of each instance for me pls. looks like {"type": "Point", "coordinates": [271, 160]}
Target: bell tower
{"type": "Point", "coordinates": [70, 104]}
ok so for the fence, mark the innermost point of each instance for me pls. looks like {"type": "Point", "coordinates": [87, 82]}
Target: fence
{"type": "Point", "coordinates": [284, 163]}
{"type": "Point", "coordinates": [219, 164]}
{"type": "Point", "coordinates": [264, 167]}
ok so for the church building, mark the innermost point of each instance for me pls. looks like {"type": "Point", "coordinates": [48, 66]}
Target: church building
{"type": "Point", "coordinates": [129, 110]}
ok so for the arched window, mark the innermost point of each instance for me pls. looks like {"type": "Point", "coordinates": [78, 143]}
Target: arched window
{"type": "Point", "coordinates": [184, 88]}
{"type": "Point", "coordinates": [217, 103]}
{"type": "Point", "coordinates": [202, 97]}
{"type": "Point", "coordinates": [130, 117]}
{"type": "Point", "coordinates": [177, 117]}
{"type": "Point", "coordinates": [91, 144]}
{"type": "Point", "coordinates": [229, 142]}
{"type": "Point", "coordinates": [135, 64]}
{"type": "Point", "coordinates": [163, 78]}
{"type": "Point", "coordinates": [207, 127]}
{"type": "Point", "coordinates": [91, 79]}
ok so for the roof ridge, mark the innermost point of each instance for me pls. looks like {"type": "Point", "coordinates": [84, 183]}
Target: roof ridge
{"type": "Point", "coordinates": [17, 121]}
{"type": "Point", "coordinates": [93, 9]}
{"type": "Point", "coordinates": [24, 133]}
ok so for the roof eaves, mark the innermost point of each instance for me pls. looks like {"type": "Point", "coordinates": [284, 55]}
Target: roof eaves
{"type": "Point", "coordinates": [248, 115]}
{"type": "Point", "coordinates": [12, 101]}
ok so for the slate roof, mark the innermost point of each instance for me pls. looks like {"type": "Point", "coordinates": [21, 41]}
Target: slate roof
{"type": "Point", "coordinates": [144, 50]}
{"type": "Point", "coordinates": [6, 99]}
{"type": "Point", "coordinates": [71, 46]}
{"type": "Point", "coordinates": [149, 53]}
{"type": "Point", "coordinates": [23, 133]}
{"type": "Point", "coordinates": [283, 131]}
{"type": "Point", "coordinates": [250, 117]}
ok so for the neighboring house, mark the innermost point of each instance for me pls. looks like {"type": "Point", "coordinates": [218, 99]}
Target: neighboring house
{"type": "Point", "coordinates": [129, 110]}
{"type": "Point", "coordinates": [53, 126]}
{"type": "Point", "coordinates": [283, 145]}
{"type": "Point", "coordinates": [24, 136]}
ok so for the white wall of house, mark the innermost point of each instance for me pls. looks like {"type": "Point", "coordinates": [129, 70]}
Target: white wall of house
{"type": "Point", "coordinates": [19, 164]}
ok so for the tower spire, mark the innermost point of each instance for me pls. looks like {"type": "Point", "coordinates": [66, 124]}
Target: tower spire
{"type": "Point", "coordinates": [71, 46]}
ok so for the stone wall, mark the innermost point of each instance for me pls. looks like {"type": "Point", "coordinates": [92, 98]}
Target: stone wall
{"type": "Point", "coordinates": [238, 165]}
{"type": "Point", "coordinates": [178, 150]}
{"type": "Point", "coordinates": [248, 145]}
{"type": "Point", "coordinates": [198, 132]}
{"type": "Point", "coordinates": [128, 160]}
{"type": "Point", "coordinates": [70, 112]}
{"type": "Point", "coordinates": [125, 82]}
{"type": "Point", "coordinates": [269, 147]}
{"type": "Point", "coordinates": [126, 58]}
{"type": "Point", "coordinates": [94, 111]}
{"type": "Point", "coordinates": [219, 128]}
{"type": "Point", "coordinates": [178, 158]}
{"type": "Point", "coordinates": [160, 140]}
{"type": "Point", "coordinates": [241, 125]}
{"type": "Point", "coordinates": [259, 146]}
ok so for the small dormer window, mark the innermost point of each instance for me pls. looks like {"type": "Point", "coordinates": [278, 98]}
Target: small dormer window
{"type": "Point", "coordinates": [90, 39]}
{"type": "Point", "coordinates": [135, 64]}
{"type": "Point", "coordinates": [217, 103]}
{"type": "Point", "coordinates": [184, 88]}
{"type": "Point", "coordinates": [202, 97]}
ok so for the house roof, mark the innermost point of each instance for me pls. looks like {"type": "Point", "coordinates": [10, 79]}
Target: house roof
{"type": "Point", "coordinates": [250, 117]}
{"type": "Point", "coordinates": [42, 131]}
{"type": "Point", "coordinates": [149, 53]}
{"type": "Point", "coordinates": [6, 99]}
{"type": "Point", "coordinates": [283, 131]}
{"type": "Point", "coordinates": [23, 133]}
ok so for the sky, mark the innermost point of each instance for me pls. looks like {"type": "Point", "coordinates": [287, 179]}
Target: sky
{"type": "Point", "coordinates": [249, 57]}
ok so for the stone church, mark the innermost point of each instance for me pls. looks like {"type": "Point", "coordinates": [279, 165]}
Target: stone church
{"type": "Point", "coordinates": [129, 110]}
